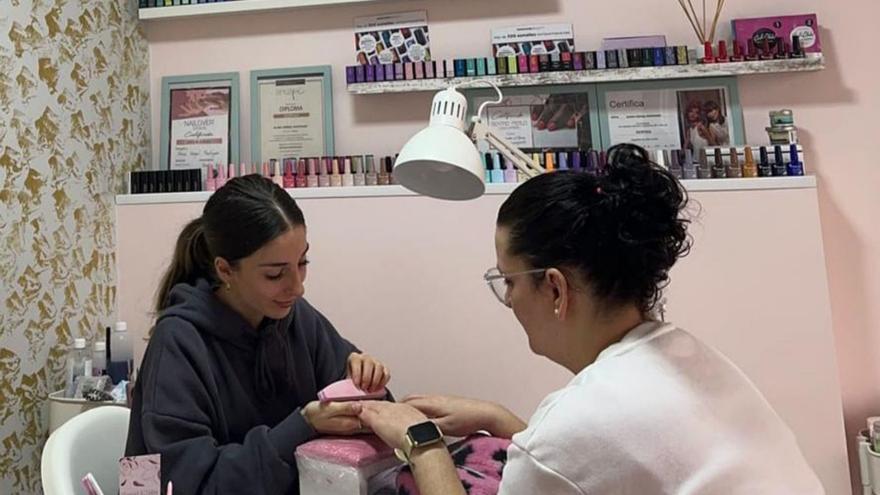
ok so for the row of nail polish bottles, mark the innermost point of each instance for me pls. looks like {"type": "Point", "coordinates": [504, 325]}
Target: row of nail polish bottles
{"type": "Point", "coordinates": [290, 173]}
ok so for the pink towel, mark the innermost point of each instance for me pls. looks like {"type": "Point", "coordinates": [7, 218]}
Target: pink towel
{"type": "Point", "coordinates": [479, 461]}
{"type": "Point", "coordinates": [347, 451]}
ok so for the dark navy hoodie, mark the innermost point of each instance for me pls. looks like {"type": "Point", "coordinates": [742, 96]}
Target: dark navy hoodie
{"type": "Point", "coordinates": [220, 401]}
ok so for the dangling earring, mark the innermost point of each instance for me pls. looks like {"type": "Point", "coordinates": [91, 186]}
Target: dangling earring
{"type": "Point", "coordinates": [556, 311]}
{"type": "Point", "coordinates": [228, 287]}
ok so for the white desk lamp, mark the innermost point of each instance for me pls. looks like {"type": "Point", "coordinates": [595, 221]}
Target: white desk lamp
{"type": "Point", "coordinates": [442, 160]}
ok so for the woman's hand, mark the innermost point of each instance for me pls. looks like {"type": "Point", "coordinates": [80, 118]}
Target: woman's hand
{"type": "Point", "coordinates": [460, 417]}
{"type": "Point", "coordinates": [367, 373]}
{"type": "Point", "coordinates": [334, 418]}
{"type": "Point", "coordinates": [390, 420]}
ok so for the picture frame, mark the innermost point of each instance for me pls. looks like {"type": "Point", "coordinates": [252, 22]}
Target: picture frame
{"type": "Point", "coordinates": [542, 118]}
{"type": "Point", "coordinates": [654, 114]}
{"type": "Point", "coordinates": [291, 113]}
{"type": "Point", "coordinates": [200, 120]}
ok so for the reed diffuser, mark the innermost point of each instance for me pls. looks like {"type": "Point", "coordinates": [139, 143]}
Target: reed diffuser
{"type": "Point", "coordinates": [704, 31]}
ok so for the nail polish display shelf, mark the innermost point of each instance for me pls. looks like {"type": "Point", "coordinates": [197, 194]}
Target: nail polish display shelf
{"type": "Point", "coordinates": [692, 71]}
{"type": "Point", "coordinates": [703, 185]}
{"type": "Point", "coordinates": [233, 7]}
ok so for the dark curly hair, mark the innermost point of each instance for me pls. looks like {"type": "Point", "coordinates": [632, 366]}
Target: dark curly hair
{"type": "Point", "coordinates": [621, 231]}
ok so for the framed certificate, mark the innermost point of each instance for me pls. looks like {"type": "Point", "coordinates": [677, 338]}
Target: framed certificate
{"type": "Point", "coordinates": [200, 118]}
{"type": "Point", "coordinates": [693, 114]}
{"type": "Point", "coordinates": [540, 119]}
{"type": "Point", "coordinates": [291, 113]}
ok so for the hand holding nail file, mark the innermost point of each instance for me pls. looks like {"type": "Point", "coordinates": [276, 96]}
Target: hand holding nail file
{"type": "Point", "coordinates": [346, 390]}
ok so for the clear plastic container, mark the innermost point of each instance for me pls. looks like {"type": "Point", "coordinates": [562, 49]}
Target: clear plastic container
{"type": "Point", "coordinates": [76, 364]}
{"type": "Point", "coordinates": [120, 353]}
{"type": "Point", "coordinates": [99, 358]}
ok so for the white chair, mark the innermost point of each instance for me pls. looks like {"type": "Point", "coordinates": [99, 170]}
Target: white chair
{"type": "Point", "coordinates": [91, 442]}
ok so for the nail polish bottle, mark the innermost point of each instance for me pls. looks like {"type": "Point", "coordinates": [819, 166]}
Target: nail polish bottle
{"type": "Point", "coordinates": [752, 51]}
{"type": "Point", "coordinates": [750, 169]}
{"type": "Point", "coordinates": [277, 178]}
{"type": "Point", "coordinates": [797, 48]}
{"type": "Point", "coordinates": [538, 160]}
{"type": "Point", "coordinates": [661, 158]}
{"type": "Point", "coordinates": [682, 55]}
{"type": "Point", "coordinates": [509, 170]}
{"type": "Point", "coordinates": [718, 171]}
{"type": "Point", "coordinates": [242, 169]}
{"type": "Point", "coordinates": [795, 166]}
{"type": "Point", "coordinates": [577, 160]}
{"type": "Point", "coordinates": [430, 70]}
{"type": "Point", "coordinates": [563, 160]}
{"type": "Point", "coordinates": [313, 179]}
{"type": "Point", "coordinates": [722, 52]}
{"type": "Point", "coordinates": [534, 63]}
{"type": "Point", "coordinates": [689, 168]}
{"type": "Point", "coordinates": [382, 178]}
{"type": "Point", "coordinates": [550, 161]}
{"type": "Point", "coordinates": [779, 163]}
{"type": "Point", "coordinates": [324, 172]}
{"type": "Point", "coordinates": [555, 62]}
{"type": "Point", "coordinates": [603, 162]}
{"type": "Point", "coordinates": [764, 167]}
{"type": "Point", "coordinates": [675, 164]}
{"type": "Point", "coordinates": [567, 63]}
{"type": "Point", "coordinates": [704, 170]}
{"type": "Point", "coordinates": [487, 167]}
{"type": "Point", "coordinates": [357, 169]}
{"type": "Point", "coordinates": [231, 174]}
{"type": "Point", "coordinates": [481, 67]}
{"type": "Point", "coordinates": [592, 163]}
{"type": "Point", "coordinates": [522, 62]}
{"type": "Point", "coordinates": [372, 178]}
{"type": "Point", "coordinates": [600, 60]}
{"type": "Point", "coordinates": [781, 50]}
{"type": "Point", "coordinates": [299, 176]}
{"type": "Point", "coordinates": [289, 177]}
{"type": "Point", "coordinates": [501, 62]}
{"type": "Point", "coordinates": [497, 172]}
{"type": "Point", "coordinates": [347, 176]}
{"type": "Point", "coordinates": [590, 61]}
{"type": "Point", "coordinates": [335, 176]}
{"type": "Point", "coordinates": [766, 53]}
{"type": "Point", "coordinates": [211, 181]}
{"type": "Point", "coordinates": [737, 52]}
{"type": "Point", "coordinates": [391, 161]}
{"type": "Point", "coordinates": [577, 61]}
{"type": "Point", "coordinates": [512, 65]}
{"type": "Point", "coordinates": [491, 67]}
{"type": "Point", "coordinates": [734, 170]}
{"type": "Point", "coordinates": [659, 56]}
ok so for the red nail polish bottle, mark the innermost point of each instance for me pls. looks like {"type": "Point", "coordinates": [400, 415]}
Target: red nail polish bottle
{"type": "Point", "coordinates": [722, 52]}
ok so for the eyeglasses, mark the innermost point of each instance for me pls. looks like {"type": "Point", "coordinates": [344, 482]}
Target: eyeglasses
{"type": "Point", "coordinates": [498, 282]}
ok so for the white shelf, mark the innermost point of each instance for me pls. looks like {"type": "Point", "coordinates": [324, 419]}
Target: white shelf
{"type": "Point", "coordinates": [706, 185]}
{"type": "Point", "coordinates": [692, 71]}
{"type": "Point", "coordinates": [234, 7]}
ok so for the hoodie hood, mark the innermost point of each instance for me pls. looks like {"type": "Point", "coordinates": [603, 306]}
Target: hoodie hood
{"type": "Point", "coordinates": [273, 363]}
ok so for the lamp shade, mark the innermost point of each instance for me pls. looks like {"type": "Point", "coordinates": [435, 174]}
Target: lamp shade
{"type": "Point", "coordinates": [441, 161]}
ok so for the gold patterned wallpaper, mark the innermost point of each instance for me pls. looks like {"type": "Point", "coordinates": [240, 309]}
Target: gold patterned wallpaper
{"type": "Point", "coordinates": [74, 119]}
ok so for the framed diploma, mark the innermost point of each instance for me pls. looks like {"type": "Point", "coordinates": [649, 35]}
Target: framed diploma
{"type": "Point", "coordinates": [693, 114]}
{"type": "Point", "coordinates": [291, 113]}
{"type": "Point", "coordinates": [200, 118]}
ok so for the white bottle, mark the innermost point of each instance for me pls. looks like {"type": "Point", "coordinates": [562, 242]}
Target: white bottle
{"type": "Point", "coordinates": [76, 363]}
{"type": "Point", "coordinates": [120, 353]}
{"type": "Point", "coordinates": [99, 358]}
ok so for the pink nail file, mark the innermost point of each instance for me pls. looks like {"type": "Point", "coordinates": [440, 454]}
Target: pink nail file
{"type": "Point", "coordinates": [345, 390]}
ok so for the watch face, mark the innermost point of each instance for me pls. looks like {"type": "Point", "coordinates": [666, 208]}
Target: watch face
{"type": "Point", "coordinates": [424, 432]}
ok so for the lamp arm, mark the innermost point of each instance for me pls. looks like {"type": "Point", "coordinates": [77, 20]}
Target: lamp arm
{"type": "Point", "coordinates": [480, 131]}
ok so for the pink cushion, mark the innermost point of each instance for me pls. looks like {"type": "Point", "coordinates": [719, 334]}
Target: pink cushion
{"type": "Point", "coordinates": [347, 451]}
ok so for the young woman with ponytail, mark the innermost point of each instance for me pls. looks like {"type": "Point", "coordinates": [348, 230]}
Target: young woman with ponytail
{"type": "Point", "coordinates": [228, 386]}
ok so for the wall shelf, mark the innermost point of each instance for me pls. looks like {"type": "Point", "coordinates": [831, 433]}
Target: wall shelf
{"type": "Point", "coordinates": [705, 185]}
{"type": "Point", "coordinates": [693, 71]}
{"type": "Point", "coordinates": [234, 7]}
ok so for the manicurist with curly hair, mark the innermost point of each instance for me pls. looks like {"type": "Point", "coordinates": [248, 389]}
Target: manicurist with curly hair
{"type": "Point", "coordinates": [581, 261]}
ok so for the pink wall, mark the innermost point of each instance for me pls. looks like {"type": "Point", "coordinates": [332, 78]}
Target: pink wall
{"type": "Point", "coordinates": [835, 110]}
{"type": "Point", "coordinates": [412, 295]}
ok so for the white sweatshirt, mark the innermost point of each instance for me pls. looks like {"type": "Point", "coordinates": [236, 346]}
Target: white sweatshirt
{"type": "Point", "coordinates": [658, 412]}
